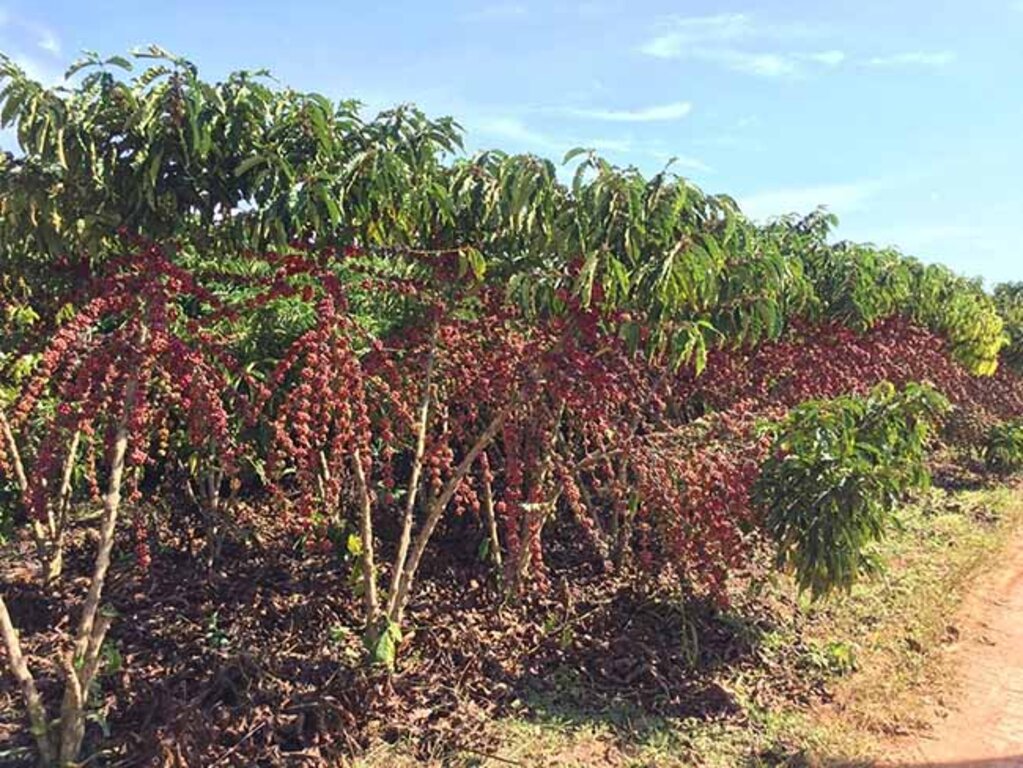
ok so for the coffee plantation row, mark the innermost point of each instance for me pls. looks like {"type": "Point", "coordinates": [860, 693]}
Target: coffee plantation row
{"type": "Point", "coordinates": [240, 309]}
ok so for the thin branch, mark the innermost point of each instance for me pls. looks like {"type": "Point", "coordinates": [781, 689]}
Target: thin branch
{"type": "Point", "coordinates": [64, 496]}
{"type": "Point", "coordinates": [12, 447]}
{"type": "Point", "coordinates": [51, 545]}
{"type": "Point", "coordinates": [491, 518]}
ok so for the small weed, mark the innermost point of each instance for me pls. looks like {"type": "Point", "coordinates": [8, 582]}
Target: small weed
{"type": "Point", "coordinates": [215, 636]}
{"type": "Point", "coordinates": [345, 641]}
{"type": "Point", "coordinates": [832, 657]}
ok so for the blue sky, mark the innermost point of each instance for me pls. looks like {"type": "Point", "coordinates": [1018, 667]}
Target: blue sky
{"type": "Point", "coordinates": [905, 118]}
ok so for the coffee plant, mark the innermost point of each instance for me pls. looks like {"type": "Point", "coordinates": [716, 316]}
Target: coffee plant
{"type": "Point", "coordinates": [836, 471]}
{"type": "Point", "coordinates": [1003, 449]}
{"type": "Point", "coordinates": [126, 369]}
{"type": "Point", "coordinates": [1009, 300]}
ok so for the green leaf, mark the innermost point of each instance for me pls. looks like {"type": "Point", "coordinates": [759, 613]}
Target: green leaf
{"type": "Point", "coordinates": [573, 153]}
{"type": "Point", "coordinates": [248, 164]}
{"type": "Point", "coordinates": [383, 648]}
{"type": "Point", "coordinates": [78, 65]}
{"type": "Point", "coordinates": [473, 259]}
{"type": "Point", "coordinates": [120, 61]}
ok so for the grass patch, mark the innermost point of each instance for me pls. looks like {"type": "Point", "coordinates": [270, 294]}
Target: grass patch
{"type": "Point", "coordinates": [902, 622]}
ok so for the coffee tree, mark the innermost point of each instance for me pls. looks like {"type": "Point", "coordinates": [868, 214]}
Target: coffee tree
{"type": "Point", "coordinates": [130, 365]}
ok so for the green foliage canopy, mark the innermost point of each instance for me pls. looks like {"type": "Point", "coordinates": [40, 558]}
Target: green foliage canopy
{"type": "Point", "coordinates": [230, 169]}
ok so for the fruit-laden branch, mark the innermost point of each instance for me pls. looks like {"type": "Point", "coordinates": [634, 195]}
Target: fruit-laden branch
{"type": "Point", "coordinates": [80, 668]}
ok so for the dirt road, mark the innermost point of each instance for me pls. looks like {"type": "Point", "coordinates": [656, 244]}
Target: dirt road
{"type": "Point", "coordinates": [984, 725]}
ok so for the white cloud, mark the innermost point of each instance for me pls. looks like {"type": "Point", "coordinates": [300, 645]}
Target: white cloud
{"type": "Point", "coordinates": [742, 43]}
{"type": "Point", "coordinates": [761, 64]}
{"type": "Point", "coordinates": [682, 161]}
{"type": "Point", "coordinates": [683, 33]}
{"type": "Point", "coordinates": [594, 8]}
{"type": "Point", "coordinates": [48, 41]}
{"type": "Point", "coordinates": [513, 129]}
{"type": "Point", "coordinates": [971, 248]}
{"type": "Point", "coordinates": [620, 146]}
{"type": "Point", "coordinates": [922, 236]}
{"type": "Point", "coordinates": [726, 39]}
{"type": "Point", "coordinates": [38, 70]}
{"type": "Point", "coordinates": [518, 133]}
{"type": "Point", "coordinates": [657, 150]}
{"type": "Point", "coordinates": [840, 198]}
{"type": "Point", "coordinates": [40, 67]}
{"type": "Point", "coordinates": [497, 12]}
{"type": "Point", "coordinates": [45, 37]}
{"type": "Point", "coordinates": [674, 111]}
{"type": "Point", "coordinates": [914, 58]}
{"type": "Point", "coordinates": [828, 58]}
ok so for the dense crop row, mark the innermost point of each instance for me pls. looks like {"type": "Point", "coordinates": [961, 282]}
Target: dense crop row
{"type": "Point", "coordinates": [262, 307]}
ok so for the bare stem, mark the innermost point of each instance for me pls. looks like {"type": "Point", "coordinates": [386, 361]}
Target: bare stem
{"type": "Point", "coordinates": [401, 558]}
{"type": "Point", "coordinates": [368, 560]}
{"type": "Point", "coordinates": [37, 718]}
{"type": "Point", "coordinates": [436, 510]}
{"type": "Point", "coordinates": [491, 519]}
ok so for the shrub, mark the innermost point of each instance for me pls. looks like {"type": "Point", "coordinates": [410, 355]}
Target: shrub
{"type": "Point", "coordinates": [1003, 450]}
{"type": "Point", "coordinates": [837, 469]}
